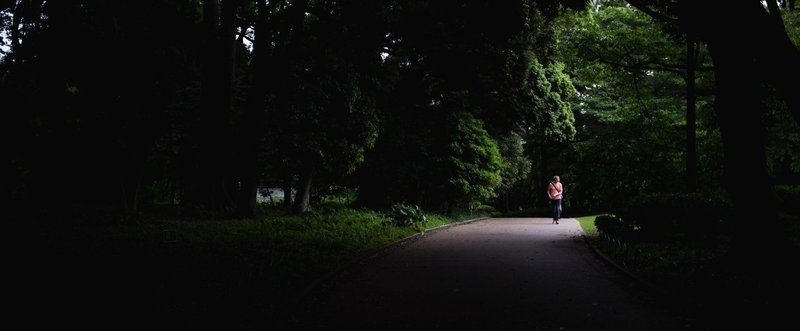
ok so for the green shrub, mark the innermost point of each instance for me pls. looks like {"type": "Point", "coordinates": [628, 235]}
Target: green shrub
{"type": "Point", "coordinates": [613, 226]}
{"type": "Point", "coordinates": [402, 214]}
{"type": "Point", "coordinates": [662, 215]}
{"type": "Point", "coordinates": [486, 210]}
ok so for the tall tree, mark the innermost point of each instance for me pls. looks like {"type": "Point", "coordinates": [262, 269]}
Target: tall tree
{"type": "Point", "coordinates": [630, 68]}
{"type": "Point", "coordinates": [270, 18]}
{"type": "Point", "coordinates": [620, 36]}
{"type": "Point", "coordinates": [94, 114]}
{"type": "Point", "coordinates": [447, 59]}
{"type": "Point", "coordinates": [761, 60]}
{"type": "Point", "coordinates": [762, 54]}
{"type": "Point", "coordinates": [322, 116]}
{"type": "Point", "coordinates": [549, 122]}
{"type": "Point", "coordinates": [210, 184]}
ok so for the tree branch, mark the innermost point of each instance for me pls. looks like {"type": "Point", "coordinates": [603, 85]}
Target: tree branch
{"type": "Point", "coordinates": [636, 66]}
{"type": "Point", "coordinates": [641, 5]}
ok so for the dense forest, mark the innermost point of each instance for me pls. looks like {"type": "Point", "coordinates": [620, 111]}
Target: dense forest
{"type": "Point", "coordinates": [668, 114]}
{"type": "Point", "coordinates": [115, 108]}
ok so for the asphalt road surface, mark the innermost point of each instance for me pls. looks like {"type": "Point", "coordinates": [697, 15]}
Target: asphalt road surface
{"type": "Point", "coordinates": [491, 274]}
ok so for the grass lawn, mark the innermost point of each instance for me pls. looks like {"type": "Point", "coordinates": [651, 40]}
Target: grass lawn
{"type": "Point", "coordinates": [587, 224]}
{"type": "Point", "coordinates": [230, 274]}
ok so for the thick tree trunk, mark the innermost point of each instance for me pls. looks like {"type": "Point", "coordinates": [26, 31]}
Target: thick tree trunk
{"type": "Point", "coordinates": [759, 55]}
{"type": "Point", "coordinates": [760, 252]}
{"type": "Point", "coordinates": [745, 175]}
{"type": "Point", "coordinates": [780, 57]}
{"type": "Point", "coordinates": [230, 182]}
{"type": "Point", "coordinates": [253, 128]}
{"type": "Point", "coordinates": [210, 182]}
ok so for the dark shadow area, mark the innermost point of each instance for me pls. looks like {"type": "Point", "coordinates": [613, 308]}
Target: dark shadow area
{"type": "Point", "coordinates": [468, 288]}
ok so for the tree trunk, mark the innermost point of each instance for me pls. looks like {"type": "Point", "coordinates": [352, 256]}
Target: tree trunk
{"type": "Point", "coordinates": [16, 20]}
{"type": "Point", "coordinates": [253, 128]}
{"type": "Point", "coordinates": [131, 184]}
{"type": "Point", "coordinates": [743, 136]}
{"type": "Point", "coordinates": [543, 177]}
{"type": "Point", "coordinates": [247, 198]}
{"type": "Point", "coordinates": [760, 248]}
{"type": "Point", "coordinates": [691, 125]}
{"type": "Point", "coordinates": [287, 191]}
{"type": "Point", "coordinates": [210, 182]}
{"type": "Point", "coordinates": [303, 201]}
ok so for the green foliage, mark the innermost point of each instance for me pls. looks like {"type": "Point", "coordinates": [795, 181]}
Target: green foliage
{"type": "Point", "coordinates": [283, 253]}
{"type": "Point", "coordinates": [471, 162]}
{"type": "Point", "coordinates": [560, 121]}
{"type": "Point", "coordinates": [331, 122]}
{"type": "Point", "coordinates": [791, 20]}
{"type": "Point", "coordinates": [624, 160]}
{"type": "Point", "coordinates": [549, 123]}
{"type": "Point", "coordinates": [783, 141]}
{"type": "Point", "coordinates": [630, 112]}
{"type": "Point", "coordinates": [485, 210]}
{"type": "Point", "coordinates": [263, 263]}
{"type": "Point", "coordinates": [550, 116]}
{"type": "Point", "coordinates": [675, 267]}
{"type": "Point", "coordinates": [613, 226]}
{"type": "Point", "coordinates": [402, 214]}
{"type": "Point", "coordinates": [483, 70]}
{"type": "Point", "coordinates": [515, 164]}
{"type": "Point", "coordinates": [588, 226]}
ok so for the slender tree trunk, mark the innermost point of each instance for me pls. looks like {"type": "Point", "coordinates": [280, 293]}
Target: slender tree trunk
{"type": "Point", "coordinates": [230, 182]}
{"type": "Point", "coordinates": [691, 126]}
{"type": "Point", "coordinates": [287, 190]}
{"type": "Point", "coordinates": [18, 11]}
{"type": "Point", "coordinates": [130, 185]}
{"type": "Point", "coordinates": [543, 177]}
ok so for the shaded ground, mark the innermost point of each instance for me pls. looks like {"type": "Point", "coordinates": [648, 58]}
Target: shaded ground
{"type": "Point", "coordinates": [498, 274]}
{"type": "Point", "coordinates": [503, 274]}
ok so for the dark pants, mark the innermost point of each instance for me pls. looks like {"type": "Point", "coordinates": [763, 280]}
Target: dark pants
{"type": "Point", "coordinates": [557, 209]}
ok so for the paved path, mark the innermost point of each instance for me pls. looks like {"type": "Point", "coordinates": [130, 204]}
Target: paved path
{"type": "Point", "coordinates": [492, 274]}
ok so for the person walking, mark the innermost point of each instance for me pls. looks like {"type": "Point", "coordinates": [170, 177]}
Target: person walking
{"type": "Point", "coordinates": [555, 191]}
